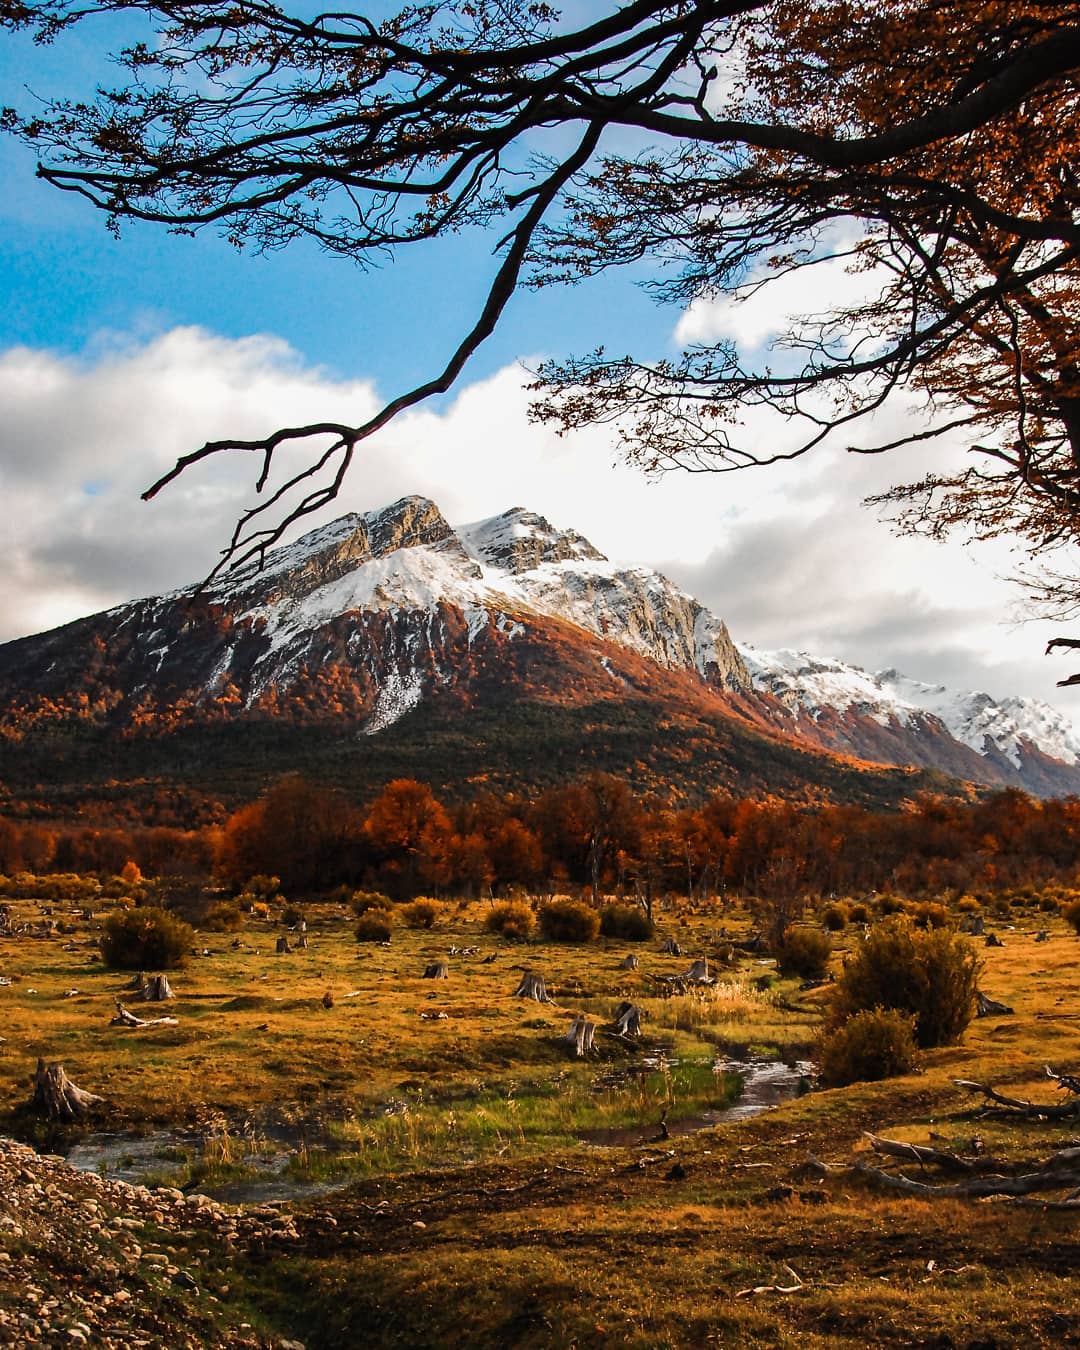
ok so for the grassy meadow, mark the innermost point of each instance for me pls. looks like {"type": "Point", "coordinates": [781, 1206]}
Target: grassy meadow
{"type": "Point", "coordinates": [496, 1190]}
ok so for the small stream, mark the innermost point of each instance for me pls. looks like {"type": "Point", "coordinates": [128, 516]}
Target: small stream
{"type": "Point", "coordinates": [276, 1142]}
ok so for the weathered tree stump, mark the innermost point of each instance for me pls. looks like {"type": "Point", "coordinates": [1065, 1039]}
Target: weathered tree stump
{"type": "Point", "coordinates": [975, 926]}
{"type": "Point", "coordinates": [437, 970]}
{"type": "Point", "coordinates": [627, 1020]}
{"type": "Point", "coordinates": [699, 973]}
{"type": "Point", "coordinates": [671, 948]}
{"type": "Point", "coordinates": [156, 989]}
{"type": "Point", "coordinates": [328, 999]}
{"type": "Point", "coordinates": [581, 1036]}
{"type": "Point", "coordinates": [1042, 935]}
{"type": "Point", "coordinates": [989, 1007]}
{"type": "Point", "coordinates": [992, 940]}
{"type": "Point", "coordinates": [59, 1096]}
{"type": "Point", "coordinates": [532, 986]}
{"type": "Point", "coordinates": [630, 962]}
{"type": "Point", "coordinates": [301, 942]}
{"type": "Point", "coordinates": [282, 947]}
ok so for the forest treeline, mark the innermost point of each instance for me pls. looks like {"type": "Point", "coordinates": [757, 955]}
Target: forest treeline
{"type": "Point", "coordinates": [594, 835]}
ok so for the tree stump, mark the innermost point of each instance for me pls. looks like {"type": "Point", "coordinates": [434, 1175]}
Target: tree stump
{"type": "Point", "coordinates": [1042, 935]}
{"type": "Point", "coordinates": [301, 942]}
{"type": "Point", "coordinates": [156, 989]}
{"type": "Point", "coordinates": [59, 1096]}
{"type": "Point", "coordinates": [978, 926]}
{"type": "Point", "coordinates": [580, 1036]}
{"type": "Point", "coordinates": [282, 947]}
{"type": "Point", "coordinates": [989, 1007]}
{"type": "Point", "coordinates": [328, 999]}
{"type": "Point", "coordinates": [699, 973]}
{"type": "Point", "coordinates": [437, 970]}
{"type": "Point", "coordinates": [532, 986]}
{"type": "Point", "coordinates": [627, 1020]}
{"type": "Point", "coordinates": [630, 962]}
{"type": "Point", "coordinates": [671, 948]}
{"type": "Point", "coordinates": [992, 940]}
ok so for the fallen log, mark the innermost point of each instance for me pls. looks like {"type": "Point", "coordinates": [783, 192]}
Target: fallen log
{"type": "Point", "coordinates": [773, 1288]}
{"type": "Point", "coordinates": [1059, 1171]}
{"type": "Point", "coordinates": [125, 1018]}
{"type": "Point", "coordinates": [59, 1096]}
{"type": "Point", "coordinates": [1005, 1105]}
{"type": "Point", "coordinates": [989, 1007]}
{"type": "Point", "coordinates": [928, 1157]}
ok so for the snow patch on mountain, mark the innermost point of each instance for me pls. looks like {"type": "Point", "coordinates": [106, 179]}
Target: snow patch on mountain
{"type": "Point", "coordinates": [809, 685]}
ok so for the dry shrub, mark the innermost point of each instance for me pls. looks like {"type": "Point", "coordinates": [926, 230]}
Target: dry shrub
{"type": "Point", "coordinates": [626, 921]}
{"type": "Point", "coordinates": [1071, 913]}
{"type": "Point", "coordinates": [145, 939]}
{"type": "Point", "coordinates": [805, 952]}
{"type": "Point", "coordinates": [423, 912]}
{"type": "Point", "coordinates": [569, 921]}
{"type": "Point", "coordinates": [362, 901]}
{"type": "Point", "coordinates": [224, 917]}
{"type": "Point", "coordinates": [968, 904]}
{"type": "Point", "coordinates": [929, 973]}
{"type": "Point", "coordinates": [874, 1044]}
{"type": "Point", "coordinates": [836, 916]}
{"type": "Point", "coordinates": [291, 915]}
{"type": "Point", "coordinates": [890, 904]}
{"type": "Point", "coordinates": [511, 919]}
{"type": "Point", "coordinates": [930, 914]}
{"type": "Point", "coordinates": [375, 925]}
{"type": "Point", "coordinates": [860, 913]}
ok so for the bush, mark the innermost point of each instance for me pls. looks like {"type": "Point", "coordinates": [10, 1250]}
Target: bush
{"type": "Point", "coordinates": [512, 919]}
{"type": "Point", "coordinates": [362, 901]}
{"type": "Point", "coordinates": [626, 921]}
{"type": "Point", "coordinates": [145, 939]}
{"type": "Point", "coordinates": [967, 904]}
{"type": "Point", "coordinates": [422, 912]}
{"type": "Point", "coordinates": [262, 886]}
{"type": "Point", "coordinates": [929, 915]}
{"type": "Point", "coordinates": [929, 973]}
{"type": "Point", "coordinates": [376, 925]}
{"type": "Point", "coordinates": [890, 904]}
{"type": "Point", "coordinates": [836, 916]}
{"type": "Point", "coordinates": [1071, 914]}
{"type": "Point", "coordinates": [569, 921]}
{"type": "Point", "coordinates": [805, 952]}
{"type": "Point", "coordinates": [224, 917]}
{"type": "Point", "coordinates": [291, 915]}
{"type": "Point", "coordinates": [860, 913]}
{"type": "Point", "coordinates": [874, 1044]}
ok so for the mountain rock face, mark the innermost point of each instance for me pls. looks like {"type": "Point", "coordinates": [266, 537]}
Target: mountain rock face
{"type": "Point", "coordinates": [893, 719]}
{"type": "Point", "coordinates": [376, 624]}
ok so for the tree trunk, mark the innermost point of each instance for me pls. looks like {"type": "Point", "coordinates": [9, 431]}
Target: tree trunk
{"type": "Point", "coordinates": [437, 970]}
{"type": "Point", "coordinates": [156, 989]}
{"type": "Point", "coordinates": [532, 986]}
{"type": "Point", "coordinates": [581, 1036]}
{"type": "Point", "coordinates": [62, 1100]}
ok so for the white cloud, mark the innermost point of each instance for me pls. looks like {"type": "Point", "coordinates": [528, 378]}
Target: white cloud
{"type": "Point", "coordinates": [786, 555]}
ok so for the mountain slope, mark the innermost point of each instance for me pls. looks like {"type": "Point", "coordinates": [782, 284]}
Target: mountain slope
{"type": "Point", "coordinates": [504, 651]}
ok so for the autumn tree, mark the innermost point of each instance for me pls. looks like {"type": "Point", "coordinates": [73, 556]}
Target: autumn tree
{"type": "Point", "coordinates": [930, 150]}
{"type": "Point", "coordinates": [410, 835]}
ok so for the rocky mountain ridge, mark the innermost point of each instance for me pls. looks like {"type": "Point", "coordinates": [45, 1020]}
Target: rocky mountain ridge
{"type": "Point", "coordinates": [367, 619]}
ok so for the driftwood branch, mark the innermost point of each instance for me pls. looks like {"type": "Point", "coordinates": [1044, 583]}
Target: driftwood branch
{"type": "Point", "coordinates": [774, 1288]}
{"type": "Point", "coordinates": [1015, 1105]}
{"type": "Point", "coordinates": [125, 1018]}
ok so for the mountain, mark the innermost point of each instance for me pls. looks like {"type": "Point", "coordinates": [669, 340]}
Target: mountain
{"type": "Point", "coordinates": [1021, 742]}
{"type": "Point", "coordinates": [505, 653]}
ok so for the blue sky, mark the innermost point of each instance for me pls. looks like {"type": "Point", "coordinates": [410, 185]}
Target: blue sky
{"type": "Point", "coordinates": [115, 356]}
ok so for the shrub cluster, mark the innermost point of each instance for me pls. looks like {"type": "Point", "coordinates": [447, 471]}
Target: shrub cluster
{"type": "Point", "coordinates": [512, 919]}
{"type": "Point", "coordinates": [626, 921]}
{"type": "Point", "coordinates": [1072, 914]}
{"type": "Point", "coordinates": [874, 1044]}
{"type": "Point", "coordinates": [362, 901]}
{"type": "Point", "coordinates": [930, 914]}
{"type": "Point", "coordinates": [422, 912]}
{"type": "Point", "coordinates": [375, 925]}
{"type": "Point", "coordinates": [569, 921]}
{"type": "Point", "coordinates": [930, 974]}
{"type": "Point", "coordinates": [223, 917]}
{"type": "Point", "coordinates": [836, 916]}
{"type": "Point", "coordinates": [145, 939]}
{"type": "Point", "coordinates": [804, 952]}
